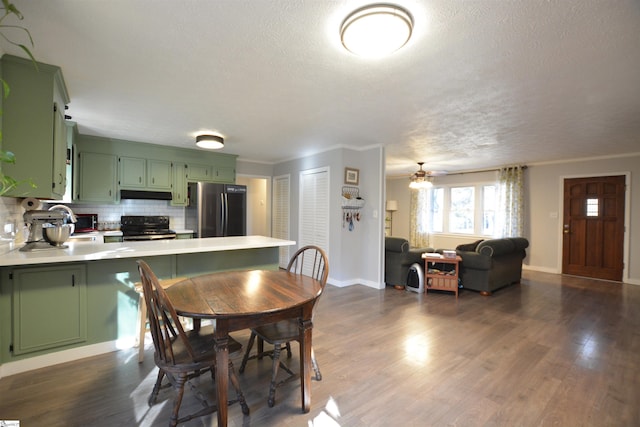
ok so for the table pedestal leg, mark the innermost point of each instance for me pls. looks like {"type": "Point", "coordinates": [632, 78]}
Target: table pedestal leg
{"type": "Point", "coordinates": [306, 327]}
{"type": "Point", "coordinates": [222, 376]}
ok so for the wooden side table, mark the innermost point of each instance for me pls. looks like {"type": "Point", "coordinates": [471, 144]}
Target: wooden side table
{"type": "Point", "coordinates": [441, 280]}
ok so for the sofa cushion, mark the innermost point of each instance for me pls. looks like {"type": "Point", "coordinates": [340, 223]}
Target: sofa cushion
{"type": "Point", "coordinates": [469, 247]}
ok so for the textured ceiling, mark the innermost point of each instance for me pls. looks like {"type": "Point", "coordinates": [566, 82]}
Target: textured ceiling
{"type": "Point", "coordinates": [481, 83]}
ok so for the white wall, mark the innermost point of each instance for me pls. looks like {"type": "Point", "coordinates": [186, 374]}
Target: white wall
{"type": "Point", "coordinates": [543, 207]}
{"type": "Point", "coordinates": [258, 205]}
{"type": "Point", "coordinates": [354, 256]}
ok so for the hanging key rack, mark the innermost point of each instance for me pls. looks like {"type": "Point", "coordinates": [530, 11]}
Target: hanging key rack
{"type": "Point", "coordinates": [351, 205]}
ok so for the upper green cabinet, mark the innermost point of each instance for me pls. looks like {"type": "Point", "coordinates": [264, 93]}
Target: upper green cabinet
{"type": "Point", "coordinates": [209, 173]}
{"type": "Point", "coordinates": [159, 175]}
{"type": "Point", "coordinates": [179, 187]}
{"type": "Point", "coordinates": [132, 172]}
{"type": "Point", "coordinates": [33, 127]}
{"type": "Point", "coordinates": [197, 172]}
{"type": "Point", "coordinates": [96, 176]}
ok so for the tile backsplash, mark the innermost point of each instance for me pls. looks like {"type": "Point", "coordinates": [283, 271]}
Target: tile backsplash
{"type": "Point", "coordinates": [11, 222]}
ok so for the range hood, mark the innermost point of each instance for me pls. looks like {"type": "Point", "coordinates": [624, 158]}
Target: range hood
{"type": "Point", "coordinates": [145, 195]}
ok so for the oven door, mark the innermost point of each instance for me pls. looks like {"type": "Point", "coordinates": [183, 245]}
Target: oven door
{"type": "Point", "coordinates": [141, 237]}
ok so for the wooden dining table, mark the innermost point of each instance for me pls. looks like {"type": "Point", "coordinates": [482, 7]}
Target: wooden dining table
{"type": "Point", "coordinates": [236, 300]}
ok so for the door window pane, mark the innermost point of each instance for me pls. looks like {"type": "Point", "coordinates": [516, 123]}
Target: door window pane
{"type": "Point", "coordinates": [592, 207]}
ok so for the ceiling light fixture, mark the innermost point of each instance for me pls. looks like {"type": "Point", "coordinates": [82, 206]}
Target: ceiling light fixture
{"type": "Point", "coordinates": [210, 142]}
{"type": "Point", "coordinates": [376, 30]}
{"type": "Point", "coordinates": [420, 179]}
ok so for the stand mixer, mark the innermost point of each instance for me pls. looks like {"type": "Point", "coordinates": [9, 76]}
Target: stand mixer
{"type": "Point", "coordinates": [37, 220]}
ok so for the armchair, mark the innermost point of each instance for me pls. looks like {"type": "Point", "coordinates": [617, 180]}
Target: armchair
{"type": "Point", "coordinates": [398, 257]}
{"type": "Point", "coordinates": [492, 264]}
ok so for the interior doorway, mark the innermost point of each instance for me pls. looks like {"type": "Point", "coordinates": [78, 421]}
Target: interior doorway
{"type": "Point", "coordinates": [258, 205]}
{"type": "Point", "coordinates": [593, 227]}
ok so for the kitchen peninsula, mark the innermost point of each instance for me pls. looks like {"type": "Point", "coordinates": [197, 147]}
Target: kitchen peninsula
{"type": "Point", "coordinates": [81, 299]}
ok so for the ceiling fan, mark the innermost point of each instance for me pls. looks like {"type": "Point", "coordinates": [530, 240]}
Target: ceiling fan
{"type": "Point", "coordinates": [422, 178]}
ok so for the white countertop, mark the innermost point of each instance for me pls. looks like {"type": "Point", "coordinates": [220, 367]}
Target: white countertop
{"type": "Point", "coordinates": [91, 251]}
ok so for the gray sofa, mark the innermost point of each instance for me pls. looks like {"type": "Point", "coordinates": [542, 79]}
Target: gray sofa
{"type": "Point", "coordinates": [398, 257]}
{"type": "Point", "coordinates": [488, 265]}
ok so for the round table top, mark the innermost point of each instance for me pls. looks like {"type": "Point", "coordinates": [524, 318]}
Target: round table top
{"type": "Point", "coordinates": [242, 293]}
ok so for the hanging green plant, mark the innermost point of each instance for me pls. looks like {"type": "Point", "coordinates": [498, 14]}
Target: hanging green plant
{"type": "Point", "coordinates": [9, 11]}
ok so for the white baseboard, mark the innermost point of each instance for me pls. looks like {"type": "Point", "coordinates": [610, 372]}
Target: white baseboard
{"type": "Point", "coordinates": [345, 283]}
{"type": "Point", "coordinates": [540, 269]}
{"type": "Point", "coordinates": [50, 359]}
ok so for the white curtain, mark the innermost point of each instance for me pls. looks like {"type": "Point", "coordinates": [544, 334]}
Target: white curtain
{"type": "Point", "coordinates": [510, 214]}
{"type": "Point", "coordinates": [419, 230]}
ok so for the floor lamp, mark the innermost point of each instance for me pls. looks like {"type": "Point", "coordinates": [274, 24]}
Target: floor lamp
{"type": "Point", "coordinates": [392, 206]}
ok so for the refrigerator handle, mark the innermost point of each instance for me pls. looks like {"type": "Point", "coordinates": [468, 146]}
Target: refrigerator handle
{"type": "Point", "coordinates": [226, 208]}
{"type": "Point", "coordinates": [222, 209]}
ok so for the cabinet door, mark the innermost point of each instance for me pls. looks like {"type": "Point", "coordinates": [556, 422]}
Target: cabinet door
{"type": "Point", "coordinates": [179, 189]}
{"type": "Point", "coordinates": [59, 175]}
{"type": "Point", "coordinates": [32, 129]}
{"type": "Point", "coordinates": [226, 175]}
{"type": "Point", "coordinates": [159, 175]}
{"type": "Point", "coordinates": [132, 172]}
{"type": "Point", "coordinates": [49, 307]}
{"type": "Point", "coordinates": [199, 172]}
{"type": "Point", "coordinates": [97, 179]}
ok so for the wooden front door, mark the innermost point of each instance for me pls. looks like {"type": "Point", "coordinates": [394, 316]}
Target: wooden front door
{"type": "Point", "coordinates": [594, 227]}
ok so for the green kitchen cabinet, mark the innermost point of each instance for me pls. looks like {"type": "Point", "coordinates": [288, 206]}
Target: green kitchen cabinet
{"type": "Point", "coordinates": [159, 175]}
{"type": "Point", "coordinates": [132, 173]}
{"type": "Point", "coordinates": [225, 175]}
{"type": "Point", "coordinates": [144, 174]}
{"type": "Point", "coordinates": [97, 177]}
{"type": "Point", "coordinates": [49, 307]}
{"type": "Point", "coordinates": [179, 187]}
{"type": "Point", "coordinates": [34, 128]}
{"type": "Point", "coordinates": [196, 172]}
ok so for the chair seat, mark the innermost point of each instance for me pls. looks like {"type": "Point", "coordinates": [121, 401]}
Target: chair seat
{"type": "Point", "coordinates": [284, 331]}
{"type": "Point", "coordinates": [202, 344]}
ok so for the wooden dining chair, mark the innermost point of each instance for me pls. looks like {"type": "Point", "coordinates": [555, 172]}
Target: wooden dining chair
{"type": "Point", "coordinates": [309, 261]}
{"type": "Point", "coordinates": [181, 355]}
{"type": "Point", "coordinates": [142, 312]}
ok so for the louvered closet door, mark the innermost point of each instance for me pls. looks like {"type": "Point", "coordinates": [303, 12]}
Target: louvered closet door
{"type": "Point", "coordinates": [314, 208]}
{"type": "Point", "coordinates": [280, 217]}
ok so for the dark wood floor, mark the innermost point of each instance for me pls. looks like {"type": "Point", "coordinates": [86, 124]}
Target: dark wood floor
{"type": "Point", "coordinates": [554, 350]}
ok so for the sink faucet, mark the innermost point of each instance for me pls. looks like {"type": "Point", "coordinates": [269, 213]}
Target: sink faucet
{"type": "Point", "coordinates": [72, 217]}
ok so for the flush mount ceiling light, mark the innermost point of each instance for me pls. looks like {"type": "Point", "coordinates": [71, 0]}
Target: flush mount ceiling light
{"type": "Point", "coordinates": [376, 30]}
{"type": "Point", "coordinates": [210, 142]}
{"type": "Point", "coordinates": [420, 179]}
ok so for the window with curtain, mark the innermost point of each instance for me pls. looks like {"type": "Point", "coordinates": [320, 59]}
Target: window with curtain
{"type": "Point", "coordinates": [475, 209]}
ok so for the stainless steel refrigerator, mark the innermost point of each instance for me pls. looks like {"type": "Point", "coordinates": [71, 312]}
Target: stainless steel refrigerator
{"type": "Point", "coordinates": [216, 210]}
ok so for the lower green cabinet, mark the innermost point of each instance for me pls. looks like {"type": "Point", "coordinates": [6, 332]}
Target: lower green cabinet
{"type": "Point", "coordinates": [49, 307]}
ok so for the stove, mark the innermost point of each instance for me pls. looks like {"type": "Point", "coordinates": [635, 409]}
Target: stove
{"type": "Point", "coordinates": [138, 227]}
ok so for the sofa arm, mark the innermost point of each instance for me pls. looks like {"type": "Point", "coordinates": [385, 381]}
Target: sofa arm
{"type": "Point", "coordinates": [495, 247]}
{"type": "Point", "coordinates": [396, 244]}
{"type": "Point", "coordinates": [475, 260]}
